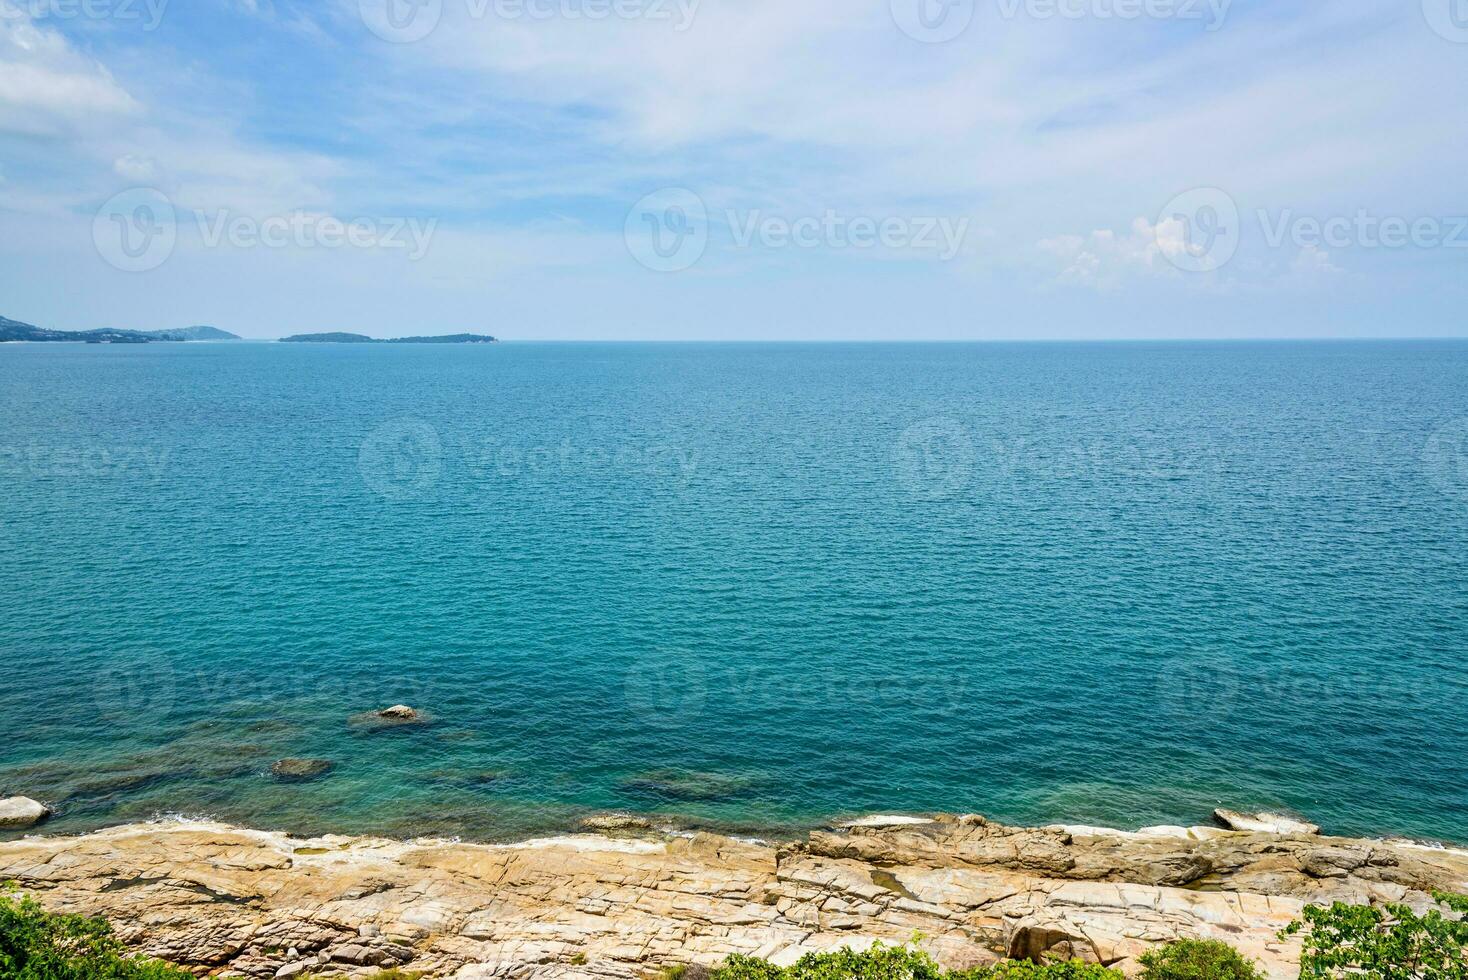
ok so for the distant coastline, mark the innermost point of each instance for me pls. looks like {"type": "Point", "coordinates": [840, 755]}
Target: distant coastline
{"type": "Point", "coordinates": [13, 331]}
{"type": "Point", "coordinates": [357, 338]}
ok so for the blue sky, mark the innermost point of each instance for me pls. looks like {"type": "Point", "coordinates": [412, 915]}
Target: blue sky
{"type": "Point", "coordinates": [738, 169]}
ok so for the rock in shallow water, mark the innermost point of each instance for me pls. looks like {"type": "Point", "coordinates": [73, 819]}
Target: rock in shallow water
{"type": "Point", "coordinates": [679, 784]}
{"type": "Point", "coordinates": [398, 716]}
{"type": "Point", "coordinates": [20, 813]}
{"type": "Point", "coordinates": [610, 822]}
{"type": "Point", "coordinates": [1264, 823]}
{"type": "Point", "coordinates": [301, 770]}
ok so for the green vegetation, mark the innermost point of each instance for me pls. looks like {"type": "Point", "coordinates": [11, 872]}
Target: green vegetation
{"type": "Point", "coordinates": [1197, 959]}
{"type": "Point", "coordinates": [1025, 970]}
{"type": "Point", "coordinates": [39, 945]}
{"type": "Point", "coordinates": [1342, 942]}
{"type": "Point", "coordinates": [1389, 942]}
{"type": "Point", "coordinates": [900, 963]}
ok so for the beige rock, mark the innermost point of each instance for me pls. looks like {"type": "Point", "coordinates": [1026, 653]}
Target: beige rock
{"type": "Point", "coordinates": [218, 899]}
{"type": "Point", "coordinates": [21, 813]}
{"type": "Point", "coordinates": [1264, 823]}
{"type": "Point", "coordinates": [609, 822]}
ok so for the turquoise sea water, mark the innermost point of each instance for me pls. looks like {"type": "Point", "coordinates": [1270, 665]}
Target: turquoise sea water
{"type": "Point", "coordinates": [757, 585]}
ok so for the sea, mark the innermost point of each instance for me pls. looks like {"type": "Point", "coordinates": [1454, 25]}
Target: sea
{"type": "Point", "coordinates": [754, 587]}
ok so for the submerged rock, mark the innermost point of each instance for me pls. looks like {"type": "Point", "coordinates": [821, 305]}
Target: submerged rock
{"type": "Point", "coordinates": [301, 770]}
{"type": "Point", "coordinates": [21, 813]}
{"type": "Point", "coordinates": [398, 716]}
{"type": "Point", "coordinates": [1264, 823]}
{"type": "Point", "coordinates": [468, 778]}
{"type": "Point", "coordinates": [612, 822]}
{"type": "Point", "coordinates": [679, 784]}
{"type": "Point", "coordinates": [887, 820]}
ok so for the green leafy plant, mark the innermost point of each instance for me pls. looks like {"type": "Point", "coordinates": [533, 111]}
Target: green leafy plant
{"type": "Point", "coordinates": [900, 963]}
{"type": "Point", "coordinates": [40, 945]}
{"type": "Point", "coordinates": [1197, 959]}
{"type": "Point", "coordinates": [878, 963]}
{"type": "Point", "coordinates": [1025, 970]}
{"type": "Point", "coordinates": [1389, 942]}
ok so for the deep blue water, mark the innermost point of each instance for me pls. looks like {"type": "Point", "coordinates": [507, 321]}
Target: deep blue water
{"type": "Point", "coordinates": [1113, 583]}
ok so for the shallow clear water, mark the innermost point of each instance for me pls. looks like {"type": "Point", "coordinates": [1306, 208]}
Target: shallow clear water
{"type": "Point", "coordinates": [1114, 583]}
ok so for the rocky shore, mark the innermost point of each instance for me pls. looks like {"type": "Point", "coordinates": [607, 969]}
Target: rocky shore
{"type": "Point", "coordinates": [630, 899]}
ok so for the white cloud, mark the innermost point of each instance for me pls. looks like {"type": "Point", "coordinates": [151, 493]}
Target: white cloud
{"type": "Point", "coordinates": [1106, 260]}
{"type": "Point", "coordinates": [136, 169]}
{"type": "Point", "coordinates": [50, 88]}
{"type": "Point", "coordinates": [1311, 267]}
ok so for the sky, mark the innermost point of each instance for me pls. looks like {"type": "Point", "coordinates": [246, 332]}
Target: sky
{"type": "Point", "coordinates": [737, 169]}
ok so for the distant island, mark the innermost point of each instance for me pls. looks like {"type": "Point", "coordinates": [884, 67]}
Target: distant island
{"type": "Point", "coordinates": [356, 338]}
{"type": "Point", "coordinates": [13, 331]}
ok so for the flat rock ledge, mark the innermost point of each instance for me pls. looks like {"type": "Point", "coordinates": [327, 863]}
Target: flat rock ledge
{"type": "Point", "coordinates": [223, 901]}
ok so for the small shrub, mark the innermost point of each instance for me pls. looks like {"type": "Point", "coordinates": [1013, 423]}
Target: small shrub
{"type": "Point", "coordinates": [1197, 959]}
{"type": "Point", "coordinates": [878, 963]}
{"type": "Point", "coordinates": [1025, 970]}
{"type": "Point", "coordinates": [1389, 942]}
{"type": "Point", "coordinates": [40, 945]}
{"type": "Point", "coordinates": [900, 963]}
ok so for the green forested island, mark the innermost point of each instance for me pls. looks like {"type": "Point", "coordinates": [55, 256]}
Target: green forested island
{"type": "Point", "coordinates": [14, 331]}
{"type": "Point", "coordinates": [357, 338]}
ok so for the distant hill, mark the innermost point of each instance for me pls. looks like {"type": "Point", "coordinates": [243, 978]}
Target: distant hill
{"type": "Point", "coordinates": [327, 338]}
{"type": "Point", "coordinates": [356, 338]}
{"type": "Point", "coordinates": [13, 331]}
{"type": "Point", "coordinates": [193, 333]}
